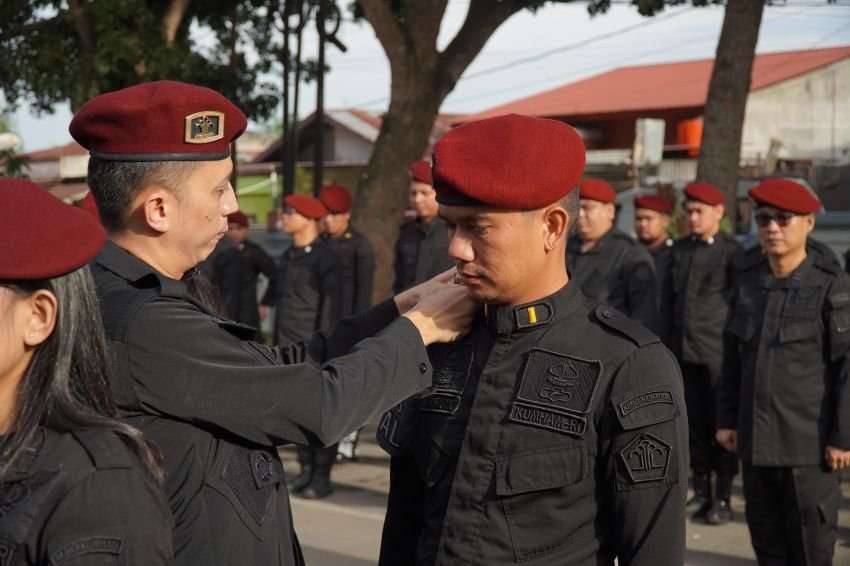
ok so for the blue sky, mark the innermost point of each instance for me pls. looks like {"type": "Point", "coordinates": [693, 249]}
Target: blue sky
{"type": "Point", "coordinates": [557, 45]}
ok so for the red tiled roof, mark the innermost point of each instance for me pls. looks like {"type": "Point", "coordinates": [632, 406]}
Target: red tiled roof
{"type": "Point", "coordinates": [54, 153]}
{"type": "Point", "coordinates": [657, 87]}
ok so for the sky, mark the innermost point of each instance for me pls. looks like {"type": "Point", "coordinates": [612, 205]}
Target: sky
{"type": "Point", "coordinates": [531, 53]}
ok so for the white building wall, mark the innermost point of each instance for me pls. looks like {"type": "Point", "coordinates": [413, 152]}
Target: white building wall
{"type": "Point", "coordinates": [809, 114]}
{"type": "Point", "coordinates": [350, 147]}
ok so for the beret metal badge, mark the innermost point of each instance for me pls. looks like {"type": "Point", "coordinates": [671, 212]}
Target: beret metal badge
{"type": "Point", "coordinates": [204, 127]}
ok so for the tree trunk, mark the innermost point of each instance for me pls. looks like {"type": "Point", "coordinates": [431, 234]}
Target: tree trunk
{"type": "Point", "coordinates": [720, 151]}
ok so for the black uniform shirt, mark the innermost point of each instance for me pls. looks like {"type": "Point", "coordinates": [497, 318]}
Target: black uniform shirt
{"type": "Point", "coordinates": [83, 498]}
{"type": "Point", "coordinates": [251, 260]}
{"type": "Point", "coordinates": [421, 254]}
{"type": "Point", "coordinates": [700, 278]}
{"type": "Point", "coordinates": [617, 271]}
{"type": "Point", "coordinates": [560, 441]}
{"type": "Point", "coordinates": [309, 292]}
{"type": "Point", "coordinates": [785, 384]}
{"type": "Point", "coordinates": [217, 404]}
{"type": "Point", "coordinates": [358, 269]}
{"type": "Point", "coordinates": [662, 256]}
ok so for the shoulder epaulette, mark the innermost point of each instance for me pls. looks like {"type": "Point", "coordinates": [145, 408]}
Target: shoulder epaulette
{"type": "Point", "coordinates": [635, 331]}
{"type": "Point", "coordinates": [105, 448]}
{"type": "Point", "coordinates": [827, 265]}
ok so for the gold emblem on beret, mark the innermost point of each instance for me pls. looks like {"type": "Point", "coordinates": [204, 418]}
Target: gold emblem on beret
{"type": "Point", "coordinates": [204, 127]}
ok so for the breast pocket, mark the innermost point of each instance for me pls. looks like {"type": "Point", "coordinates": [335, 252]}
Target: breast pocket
{"type": "Point", "coordinates": [249, 479]}
{"type": "Point", "coordinates": [539, 492]}
{"type": "Point", "coordinates": [742, 327]}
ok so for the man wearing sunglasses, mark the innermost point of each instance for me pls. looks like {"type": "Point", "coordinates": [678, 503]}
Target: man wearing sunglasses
{"type": "Point", "coordinates": [784, 399]}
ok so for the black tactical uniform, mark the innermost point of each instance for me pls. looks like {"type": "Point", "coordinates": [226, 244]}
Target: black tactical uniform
{"type": "Point", "coordinates": [358, 269]}
{"type": "Point", "coordinates": [701, 275]}
{"type": "Point", "coordinates": [421, 254]}
{"type": "Point", "coordinates": [553, 434]}
{"type": "Point", "coordinates": [83, 498]}
{"type": "Point", "coordinates": [785, 388]}
{"type": "Point", "coordinates": [251, 260]}
{"type": "Point", "coordinates": [617, 271]}
{"type": "Point", "coordinates": [662, 257]}
{"type": "Point", "coordinates": [217, 403]}
{"type": "Point", "coordinates": [309, 294]}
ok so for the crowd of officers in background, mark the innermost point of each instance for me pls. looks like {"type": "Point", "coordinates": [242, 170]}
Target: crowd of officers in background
{"type": "Point", "coordinates": [681, 289]}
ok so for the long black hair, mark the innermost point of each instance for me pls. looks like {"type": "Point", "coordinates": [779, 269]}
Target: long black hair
{"type": "Point", "coordinates": [66, 385]}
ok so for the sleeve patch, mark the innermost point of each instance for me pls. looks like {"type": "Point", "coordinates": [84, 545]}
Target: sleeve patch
{"type": "Point", "coordinates": [839, 299]}
{"type": "Point", "coordinates": [646, 458]}
{"type": "Point", "coordinates": [644, 399]}
{"type": "Point", "coordinates": [93, 545]}
{"type": "Point", "coordinates": [841, 321]}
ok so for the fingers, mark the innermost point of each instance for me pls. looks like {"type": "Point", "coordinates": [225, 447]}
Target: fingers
{"type": "Point", "coordinates": [836, 458]}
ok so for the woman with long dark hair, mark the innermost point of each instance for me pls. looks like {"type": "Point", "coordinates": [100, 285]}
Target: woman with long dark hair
{"type": "Point", "coordinates": [77, 486]}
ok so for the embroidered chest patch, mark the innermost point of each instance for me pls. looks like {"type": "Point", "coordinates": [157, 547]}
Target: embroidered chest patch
{"type": "Point", "coordinates": [452, 364]}
{"type": "Point", "coordinates": [555, 392]}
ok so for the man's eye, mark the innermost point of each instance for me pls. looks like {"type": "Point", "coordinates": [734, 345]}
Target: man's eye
{"type": "Point", "coordinates": [479, 230]}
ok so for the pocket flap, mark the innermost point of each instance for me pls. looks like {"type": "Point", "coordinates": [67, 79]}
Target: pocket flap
{"type": "Point", "coordinates": [645, 407]}
{"type": "Point", "coordinates": [548, 468]}
{"type": "Point", "coordinates": [741, 327]}
{"type": "Point", "coordinates": [797, 331]}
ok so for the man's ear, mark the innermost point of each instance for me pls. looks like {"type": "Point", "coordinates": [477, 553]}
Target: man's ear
{"type": "Point", "coordinates": [555, 222]}
{"type": "Point", "coordinates": [157, 207]}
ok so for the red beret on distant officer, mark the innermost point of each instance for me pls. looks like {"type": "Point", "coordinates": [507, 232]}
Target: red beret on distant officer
{"type": "Point", "coordinates": [421, 172]}
{"type": "Point", "coordinates": [159, 121]}
{"type": "Point", "coordinates": [705, 193]}
{"type": "Point", "coordinates": [90, 206]}
{"type": "Point", "coordinates": [311, 207]}
{"type": "Point", "coordinates": [596, 189]}
{"type": "Point", "coordinates": [653, 202]}
{"type": "Point", "coordinates": [238, 218]}
{"type": "Point", "coordinates": [510, 161]}
{"type": "Point", "coordinates": [785, 194]}
{"type": "Point", "coordinates": [41, 236]}
{"type": "Point", "coordinates": [336, 199]}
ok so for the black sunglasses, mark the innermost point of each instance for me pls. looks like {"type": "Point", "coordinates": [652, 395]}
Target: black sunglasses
{"type": "Point", "coordinates": [782, 219]}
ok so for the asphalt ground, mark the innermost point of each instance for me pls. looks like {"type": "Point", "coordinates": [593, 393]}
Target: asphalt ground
{"type": "Point", "coordinates": [345, 528]}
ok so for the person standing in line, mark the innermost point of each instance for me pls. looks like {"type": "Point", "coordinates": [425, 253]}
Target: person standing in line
{"type": "Point", "coordinates": [607, 264]}
{"type": "Point", "coordinates": [252, 261]}
{"type": "Point", "coordinates": [77, 485]}
{"type": "Point", "coordinates": [421, 251]}
{"type": "Point", "coordinates": [783, 400]}
{"type": "Point", "coordinates": [696, 302]}
{"type": "Point", "coordinates": [358, 268]}
{"type": "Point", "coordinates": [215, 402]}
{"type": "Point", "coordinates": [652, 218]}
{"type": "Point", "coordinates": [554, 433]}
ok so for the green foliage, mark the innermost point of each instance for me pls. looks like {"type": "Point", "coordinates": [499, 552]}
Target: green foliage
{"type": "Point", "coordinates": [55, 51]}
{"type": "Point", "coordinates": [646, 7]}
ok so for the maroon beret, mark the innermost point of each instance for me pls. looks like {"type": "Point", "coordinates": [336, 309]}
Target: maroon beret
{"type": "Point", "coordinates": [653, 202]}
{"type": "Point", "coordinates": [90, 206]}
{"type": "Point", "coordinates": [159, 121]}
{"type": "Point", "coordinates": [421, 172]}
{"type": "Point", "coordinates": [508, 161]}
{"type": "Point", "coordinates": [311, 207]}
{"type": "Point", "coordinates": [786, 195]}
{"type": "Point", "coordinates": [596, 189]}
{"type": "Point", "coordinates": [41, 236]}
{"type": "Point", "coordinates": [336, 199]}
{"type": "Point", "coordinates": [705, 193]}
{"type": "Point", "coordinates": [238, 218]}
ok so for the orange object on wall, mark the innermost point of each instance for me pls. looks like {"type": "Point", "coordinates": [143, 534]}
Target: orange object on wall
{"type": "Point", "coordinates": [689, 133]}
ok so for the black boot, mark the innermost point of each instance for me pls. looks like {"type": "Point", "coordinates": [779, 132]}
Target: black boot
{"type": "Point", "coordinates": [720, 511]}
{"type": "Point", "coordinates": [305, 458]}
{"type": "Point", "coordinates": [699, 504]}
{"type": "Point", "coordinates": [320, 485]}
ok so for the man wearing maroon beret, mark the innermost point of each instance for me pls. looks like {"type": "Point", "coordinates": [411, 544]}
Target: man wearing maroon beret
{"type": "Point", "coordinates": [695, 302]}
{"type": "Point", "coordinates": [355, 252]}
{"type": "Point", "coordinates": [554, 433]}
{"type": "Point", "coordinates": [783, 404]}
{"type": "Point", "coordinates": [215, 402]}
{"type": "Point", "coordinates": [608, 264]}
{"type": "Point", "coordinates": [421, 248]}
{"type": "Point", "coordinates": [309, 298]}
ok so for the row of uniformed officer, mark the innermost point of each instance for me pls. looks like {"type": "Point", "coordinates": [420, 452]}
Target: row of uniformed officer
{"type": "Point", "coordinates": [555, 432]}
{"type": "Point", "coordinates": [215, 402]}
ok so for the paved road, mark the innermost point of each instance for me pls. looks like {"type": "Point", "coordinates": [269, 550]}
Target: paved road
{"type": "Point", "coordinates": [345, 528]}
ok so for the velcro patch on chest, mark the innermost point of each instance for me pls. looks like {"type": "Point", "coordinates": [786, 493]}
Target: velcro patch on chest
{"type": "Point", "coordinates": [452, 364]}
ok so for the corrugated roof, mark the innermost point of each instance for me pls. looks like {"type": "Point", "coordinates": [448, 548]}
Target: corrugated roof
{"type": "Point", "coordinates": [54, 153]}
{"type": "Point", "coordinates": [657, 87]}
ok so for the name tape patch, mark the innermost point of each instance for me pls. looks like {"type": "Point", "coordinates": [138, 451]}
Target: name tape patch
{"type": "Point", "coordinates": [644, 399]}
{"type": "Point", "coordinates": [540, 417]}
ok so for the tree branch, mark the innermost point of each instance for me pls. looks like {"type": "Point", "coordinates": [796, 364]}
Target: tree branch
{"type": "Point", "coordinates": [387, 30]}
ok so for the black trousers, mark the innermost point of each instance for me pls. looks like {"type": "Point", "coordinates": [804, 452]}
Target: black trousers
{"type": "Point", "coordinates": [792, 513]}
{"type": "Point", "coordinates": [319, 459]}
{"type": "Point", "coordinates": [706, 454]}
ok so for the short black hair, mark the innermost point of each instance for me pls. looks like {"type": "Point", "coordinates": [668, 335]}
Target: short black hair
{"type": "Point", "coordinates": [570, 202]}
{"type": "Point", "coordinates": [115, 184]}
